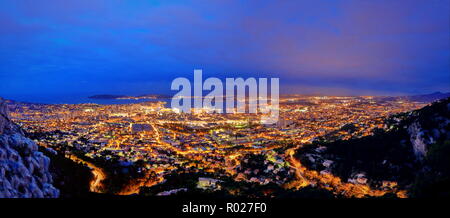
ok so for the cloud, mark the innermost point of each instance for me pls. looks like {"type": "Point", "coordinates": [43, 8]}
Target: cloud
{"type": "Point", "coordinates": [379, 46]}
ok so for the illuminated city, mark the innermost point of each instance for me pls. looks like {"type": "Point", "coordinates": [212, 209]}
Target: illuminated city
{"type": "Point", "coordinates": [224, 107]}
{"type": "Point", "coordinates": [164, 141]}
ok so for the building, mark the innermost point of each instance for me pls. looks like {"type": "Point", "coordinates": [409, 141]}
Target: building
{"type": "Point", "coordinates": [138, 127]}
{"type": "Point", "coordinates": [208, 183]}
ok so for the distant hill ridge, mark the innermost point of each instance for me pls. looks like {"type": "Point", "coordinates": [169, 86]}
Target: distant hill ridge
{"type": "Point", "coordinates": [418, 98]}
{"type": "Point", "coordinates": [108, 96]}
{"type": "Point", "coordinates": [426, 98]}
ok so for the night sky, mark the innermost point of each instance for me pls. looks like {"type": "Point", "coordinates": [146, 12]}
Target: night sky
{"type": "Point", "coordinates": [84, 47]}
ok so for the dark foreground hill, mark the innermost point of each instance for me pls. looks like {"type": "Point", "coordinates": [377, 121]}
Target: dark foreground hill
{"type": "Point", "coordinates": [413, 150]}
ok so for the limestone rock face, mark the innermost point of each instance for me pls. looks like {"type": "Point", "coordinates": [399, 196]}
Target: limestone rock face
{"type": "Point", "coordinates": [23, 169]}
{"type": "Point", "coordinates": [418, 140]}
{"type": "Point", "coordinates": [429, 126]}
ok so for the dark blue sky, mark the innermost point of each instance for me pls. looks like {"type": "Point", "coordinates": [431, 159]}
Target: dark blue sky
{"type": "Point", "coordinates": [83, 47]}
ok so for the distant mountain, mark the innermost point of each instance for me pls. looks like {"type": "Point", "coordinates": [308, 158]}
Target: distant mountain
{"type": "Point", "coordinates": [107, 96]}
{"type": "Point", "coordinates": [413, 150]}
{"type": "Point", "coordinates": [428, 97]}
{"type": "Point", "coordinates": [148, 96]}
{"type": "Point", "coordinates": [24, 171]}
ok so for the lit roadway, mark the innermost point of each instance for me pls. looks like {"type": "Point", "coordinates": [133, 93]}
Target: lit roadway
{"type": "Point", "coordinates": [96, 184]}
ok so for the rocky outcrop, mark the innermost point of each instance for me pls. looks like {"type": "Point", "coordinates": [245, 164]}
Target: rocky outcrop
{"type": "Point", "coordinates": [419, 143]}
{"type": "Point", "coordinates": [429, 126]}
{"type": "Point", "coordinates": [412, 151]}
{"type": "Point", "coordinates": [23, 169]}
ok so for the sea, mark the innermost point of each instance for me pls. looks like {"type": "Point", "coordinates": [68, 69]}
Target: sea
{"type": "Point", "coordinates": [67, 99]}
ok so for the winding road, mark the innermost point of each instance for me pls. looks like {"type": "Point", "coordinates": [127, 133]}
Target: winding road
{"type": "Point", "coordinates": [95, 184]}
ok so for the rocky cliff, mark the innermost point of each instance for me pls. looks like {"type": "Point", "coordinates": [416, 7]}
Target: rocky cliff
{"type": "Point", "coordinates": [23, 169]}
{"type": "Point", "coordinates": [413, 150]}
